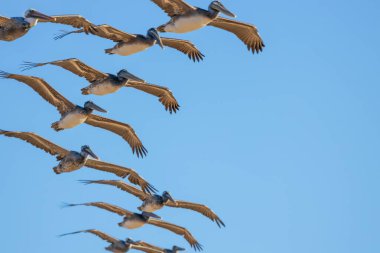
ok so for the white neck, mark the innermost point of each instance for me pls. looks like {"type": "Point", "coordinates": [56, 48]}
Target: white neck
{"type": "Point", "coordinates": [32, 21]}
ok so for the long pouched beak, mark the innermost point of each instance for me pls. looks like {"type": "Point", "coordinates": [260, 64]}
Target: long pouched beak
{"type": "Point", "coordinates": [126, 74]}
{"type": "Point", "coordinates": [39, 15]}
{"type": "Point", "coordinates": [91, 153]}
{"type": "Point", "coordinates": [151, 215]}
{"type": "Point", "coordinates": [97, 108]}
{"type": "Point", "coordinates": [225, 11]}
{"type": "Point", "coordinates": [157, 37]}
{"type": "Point", "coordinates": [180, 249]}
{"type": "Point", "coordinates": [171, 198]}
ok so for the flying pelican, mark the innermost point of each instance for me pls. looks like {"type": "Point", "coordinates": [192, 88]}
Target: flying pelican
{"type": "Point", "coordinates": [120, 246]}
{"type": "Point", "coordinates": [128, 44]}
{"type": "Point", "coordinates": [16, 27]}
{"type": "Point", "coordinates": [73, 115]}
{"type": "Point", "coordinates": [72, 160]}
{"type": "Point", "coordinates": [103, 84]}
{"type": "Point", "coordinates": [152, 203]}
{"type": "Point", "coordinates": [137, 220]}
{"type": "Point", "coordinates": [186, 18]}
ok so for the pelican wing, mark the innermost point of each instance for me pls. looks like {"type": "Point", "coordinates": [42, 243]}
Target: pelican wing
{"type": "Point", "coordinates": [164, 94]}
{"type": "Point", "coordinates": [124, 130]}
{"type": "Point", "coordinates": [245, 32]}
{"type": "Point", "coordinates": [185, 47]}
{"type": "Point", "coordinates": [146, 249]}
{"type": "Point", "coordinates": [44, 89]}
{"type": "Point", "coordinates": [76, 21]}
{"type": "Point", "coordinates": [98, 233]}
{"type": "Point", "coordinates": [178, 230]}
{"type": "Point", "coordinates": [38, 142]}
{"type": "Point", "coordinates": [4, 20]}
{"type": "Point", "coordinates": [124, 187]}
{"type": "Point", "coordinates": [105, 206]}
{"type": "Point", "coordinates": [73, 65]}
{"type": "Point", "coordinates": [174, 7]}
{"type": "Point", "coordinates": [142, 243]}
{"type": "Point", "coordinates": [206, 211]}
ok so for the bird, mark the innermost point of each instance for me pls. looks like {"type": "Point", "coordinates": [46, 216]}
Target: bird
{"type": "Point", "coordinates": [152, 203]}
{"type": "Point", "coordinates": [103, 83]}
{"type": "Point", "coordinates": [16, 27]}
{"type": "Point", "coordinates": [186, 18]}
{"type": "Point", "coordinates": [70, 161]}
{"type": "Point", "coordinates": [136, 220]}
{"type": "Point", "coordinates": [119, 246]}
{"type": "Point", "coordinates": [128, 44]}
{"type": "Point", "coordinates": [74, 115]}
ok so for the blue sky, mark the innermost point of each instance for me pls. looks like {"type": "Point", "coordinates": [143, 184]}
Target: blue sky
{"type": "Point", "coordinates": [284, 145]}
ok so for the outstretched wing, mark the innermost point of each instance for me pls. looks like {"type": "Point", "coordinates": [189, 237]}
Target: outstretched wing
{"type": "Point", "coordinates": [185, 47]}
{"type": "Point", "coordinates": [174, 7]}
{"type": "Point", "coordinates": [76, 21]}
{"type": "Point", "coordinates": [124, 130]}
{"type": "Point", "coordinates": [206, 211]}
{"type": "Point", "coordinates": [141, 243]}
{"type": "Point", "coordinates": [98, 233]}
{"type": "Point", "coordinates": [164, 94]}
{"type": "Point", "coordinates": [108, 207]}
{"type": "Point", "coordinates": [146, 249]}
{"type": "Point", "coordinates": [44, 89]}
{"type": "Point", "coordinates": [38, 142]}
{"type": "Point", "coordinates": [4, 21]}
{"type": "Point", "coordinates": [178, 230]}
{"type": "Point", "coordinates": [73, 65]}
{"type": "Point", "coordinates": [122, 186]}
{"type": "Point", "coordinates": [245, 32]}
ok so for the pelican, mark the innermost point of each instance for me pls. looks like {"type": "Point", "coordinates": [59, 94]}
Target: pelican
{"type": "Point", "coordinates": [186, 18]}
{"type": "Point", "coordinates": [136, 220]}
{"type": "Point", "coordinates": [119, 246]}
{"type": "Point", "coordinates": [74, 115]}
{"type": "Point", "coordinates": [16, 27]}
{"type": "Point", "coordinates": [128, 44]}
{"type": "Point", "coordinates": [103, 84]}
{"type": "Point", "coordinates": [152, 203]}
{"type": "Point", "coordinates": [70, 161]}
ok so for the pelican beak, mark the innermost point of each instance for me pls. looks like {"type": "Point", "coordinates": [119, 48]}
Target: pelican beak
{"type": "Point", "coordinates": [157, 37]}
{"type": "Point", "coordinates": [39, 15]}
{"type": "Point", "coordinates": [151, 215]}
{"type": "Point", "coordinates": [170, 197]}
{"type": "Point", "coordinates": [127, 75]}
{"type": "Point", "coordinates": [88, 150]}
{"type": "Point", "coordinates": [220, 7]}
{"type": "Point", "coordinates": [95, 107]}
{"type": "Point", "coordinates": [180, 249]}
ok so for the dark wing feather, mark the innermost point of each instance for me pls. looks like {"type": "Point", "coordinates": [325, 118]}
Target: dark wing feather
{"type": "Point", "coordinates": [38, 142]}
{"type": "Point", "coordinates": [185, 47]}
{"type": "Point", "coordinates": [73, 65]}
{"type": "Point", "coordinates": [44, 90]}
{"type": "Point", "coordinates": [174, 7]}
{"type": "Point", "coordinates": [98, 233]}
{"type": "Point", "coordinates": [76, 21]}
{"type": "Point", "coordinates": [124, 130]}
{"type": "Point", "coordinates": [245, 32]}
{"type": "Point", "coordinates": [179, 231]}
{"type": "Point", "coordinates": [164, 94]}
{"type": "Point", "coordinates": [206, 211]}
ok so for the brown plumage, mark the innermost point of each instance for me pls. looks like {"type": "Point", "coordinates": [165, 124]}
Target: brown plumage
{"type": "Point", "coordinates": [75, 21]}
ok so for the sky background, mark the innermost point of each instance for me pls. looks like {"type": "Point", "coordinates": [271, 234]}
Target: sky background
{"type": "Point", "coordinates": [284, 145]}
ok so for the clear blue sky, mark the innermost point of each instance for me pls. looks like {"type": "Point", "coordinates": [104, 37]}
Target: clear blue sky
{"type": "Point", "coordinates": [284, 146]}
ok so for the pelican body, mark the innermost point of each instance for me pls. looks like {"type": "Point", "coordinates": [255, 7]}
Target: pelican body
{"type": "Point", "coordinates": [74, 160]}
{"type": "Point", "coordinates": [136, 220]}
{"type": "Point", "coordinates": [156, 202]}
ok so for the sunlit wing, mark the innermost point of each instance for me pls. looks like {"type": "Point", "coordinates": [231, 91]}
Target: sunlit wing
{"type": "Point", "coordinates": [185, 47]}
{"type": "Point", "coordinates": [105, 206]}
{"type": "Point", "coordinates": [174, 7]}
{"type": "Point", "coordinates": [145, 249]}
{"type": "Point", "coordinates": [98, 233]}
{"type": "Point", "coordinates": [76, 21]}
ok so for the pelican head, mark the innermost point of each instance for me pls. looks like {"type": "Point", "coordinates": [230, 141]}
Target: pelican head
{"type": "Point", "coordinates": [176, 249]}
{"type": "Point", "coordinates": [89, 105]}
{"type": "Point", "coordinates": [86, 151]}
{"type": "Point", "coordinates": [124, 74]}
{"type": "Point", "coordinates": [33, 14]}
{"type": "Point", "coordinates": [150, 215]}
{"type": "Point", "coordinates": [153, 33]}
{"type": "Point", "coordinates": [167, 196]}
{"type": "Point", "coordinates": [219, 7]}
{"type": "Point", "coordinates": [131, 241]}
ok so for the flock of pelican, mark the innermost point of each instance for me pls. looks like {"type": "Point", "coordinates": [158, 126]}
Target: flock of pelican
{"type": "Point", "coordinates": [184, 18]}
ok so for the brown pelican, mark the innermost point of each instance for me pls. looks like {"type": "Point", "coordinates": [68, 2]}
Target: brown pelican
{"type": "Point", "coordinates": [152, 203]}
{"type": "Point", "coordinates": [72, 161]}
{"type": "Point", "coordinates": [73, 115]}
{"type": "Point", "coordinates": [16, 27]}
{"type": "Point", "coordinates": [128, 44]}
{"type": "Point", "coordinates": [137, 220]}
{"type": "Point", "coordinates": [119, 246]}
{"type": "Point", "coordinates": [103, 84]}
{"type": "Point", "coordinates": [186, 18]}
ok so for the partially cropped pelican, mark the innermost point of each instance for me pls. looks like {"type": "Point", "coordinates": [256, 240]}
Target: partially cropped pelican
{"type": "Point", "coordinates": [128, 44]}
{"type": "Point", "coordinates": [103, 84]}
{"type": "Point", "coordinates": [120, 246]}
{"type": "Point", "coordinates": [72, 160]}
{"type": "Point", "coordinates": [137, 220]}
{"type": "Point", "coordinates": [186, 18]}
{"type": "Point", "coordinates": [16, 27]}
{"type": "Point", "coordinates": [152, 203]}
{"type": "Point", "coordinates": [74, 115]}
